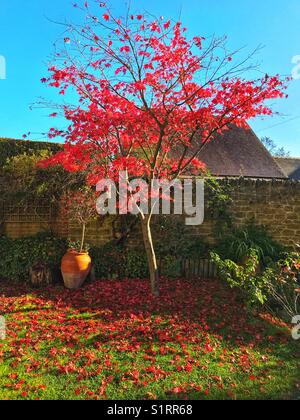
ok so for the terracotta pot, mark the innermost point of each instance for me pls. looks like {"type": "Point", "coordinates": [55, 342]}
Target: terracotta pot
{"type": "Point", "coordinates": [75, 268]}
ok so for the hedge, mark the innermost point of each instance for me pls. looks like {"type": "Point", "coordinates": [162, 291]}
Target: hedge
{"type": "Point", "coordinates": [11, 147]}
{"type": "Point", "coordinates": [111, 261]}
{"type": "Point", "coordinates": [17, 256]}
{"type": "Point", "coordinates": [117, 262]}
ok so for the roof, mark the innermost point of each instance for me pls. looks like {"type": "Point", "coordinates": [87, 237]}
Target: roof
{"type": "Point", "coordinates": [239, 152]}
{"type": "Point", "coordinates": [290, 167]}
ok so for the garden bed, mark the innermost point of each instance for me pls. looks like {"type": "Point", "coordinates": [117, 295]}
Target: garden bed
{"type": "Point", "coordinates": [111, 340]}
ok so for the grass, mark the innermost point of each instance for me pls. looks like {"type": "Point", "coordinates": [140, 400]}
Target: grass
{"type": "Point", "coordinates": [111, 340]}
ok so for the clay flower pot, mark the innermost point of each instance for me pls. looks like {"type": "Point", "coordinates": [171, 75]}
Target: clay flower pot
{"type": "Point", "coordinates": [75, 268]}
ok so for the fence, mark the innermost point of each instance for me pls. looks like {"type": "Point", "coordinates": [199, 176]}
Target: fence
{"type": "Point", "coordinates": [201, 268]}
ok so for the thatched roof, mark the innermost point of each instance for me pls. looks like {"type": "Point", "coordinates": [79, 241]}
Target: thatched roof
{"type": "Point", "coordinates": [290, 167]}
{"type": "Point", "coordinates": [239, 152]}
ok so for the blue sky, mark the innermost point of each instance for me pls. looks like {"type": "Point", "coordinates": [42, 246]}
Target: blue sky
{"type": "Point", "coordinates": [27, 35]}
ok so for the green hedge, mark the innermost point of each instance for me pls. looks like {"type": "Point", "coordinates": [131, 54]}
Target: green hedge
{"type": "Point", "coordinates": [10, 148]}
{"type": "Point", "coordinates": [17, 256]}
{"type": "Point", "coordinates": [110, 261]}
{"type": "Point", "coordinates": [113, 262]}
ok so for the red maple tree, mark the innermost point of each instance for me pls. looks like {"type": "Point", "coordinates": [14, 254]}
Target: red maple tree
{"type": "Point", "coordinates": [149, 99]}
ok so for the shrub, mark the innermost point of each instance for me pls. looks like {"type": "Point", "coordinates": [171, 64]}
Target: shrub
{"type": "Point", "coordinates": [10, 148]}
{"type": "Point", "coordinates": [17, 256]}
{"type": "Point", "coordinates": [24, 182]}
{"type": "Point", "coordinates": [238, 245]}
{"type": "Point", "coordinates": [136, 265]}
{"type": "Point", "coordinates": [245, 277]}
{"type": "Point", "coordinates": [112, 261]}
{"type": "Point", "coordinates": [171, 239]}
{"type": "Point", "coordinates": [283, 286]}
{"type": "Point", "coordinates": [170, 267]}
{"type": "Point", "coordinates": [277, 286]}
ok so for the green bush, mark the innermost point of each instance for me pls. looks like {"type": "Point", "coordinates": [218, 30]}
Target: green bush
{"type": "Point", "coordinates": [111, 261]}
{"type": "Point", "coordinates": [172, 239]}
{"type": "Point", "coordinates": [24, 183]}
{"type": "Point", "coordinates": [17, 256]}
{"type": "Point", "coordinates": [10, 148]}
{"type": "Point", "coordinates": [237, 245]}
{"type": "Point", "coordinates": [244, 277]}
{"type": "Point", "coordinates": [117, 262]}
{"type": "Point", "coordinates": [171, 267]}
{"type": "Point", "coordinates": [136, 265]}
{"type": "Point", "coordinates": [277, 286]}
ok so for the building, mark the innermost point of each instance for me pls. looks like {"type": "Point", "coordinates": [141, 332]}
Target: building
{"type": "Point", "coordinates": [238, 152]}
{"type": "Point", "coordinates": [290, 167]}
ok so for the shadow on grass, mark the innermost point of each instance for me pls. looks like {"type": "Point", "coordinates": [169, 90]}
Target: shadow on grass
{"type": "Point", "coordinates": [207, 305]}
{"type": "Point", "coordinates": [205, 317]}
{"type": "Point", "coordinates": [186, 312]}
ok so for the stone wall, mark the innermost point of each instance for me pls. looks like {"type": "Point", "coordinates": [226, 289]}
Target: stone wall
{"type": "Point", "coordinates": [272, 203]}
{"type": "Point", "coordinates": [275, 204]}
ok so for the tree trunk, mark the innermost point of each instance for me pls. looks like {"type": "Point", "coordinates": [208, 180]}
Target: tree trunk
{"type": "Point", "coordinates": [151, 257]}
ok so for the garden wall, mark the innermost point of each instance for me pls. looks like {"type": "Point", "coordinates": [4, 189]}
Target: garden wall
{"type": "Point", "coordinates": [273, 203]}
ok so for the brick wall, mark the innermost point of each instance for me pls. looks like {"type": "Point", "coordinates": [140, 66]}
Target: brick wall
{"type": "Point", "coordinates": [275, 204]}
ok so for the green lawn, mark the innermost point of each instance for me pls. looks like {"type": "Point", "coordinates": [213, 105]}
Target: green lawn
{"type": "Point", "coordinates": [111, 340]}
